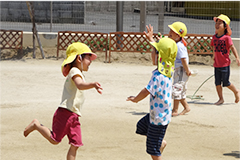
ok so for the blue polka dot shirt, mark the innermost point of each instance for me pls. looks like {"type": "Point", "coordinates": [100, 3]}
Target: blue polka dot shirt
{"type": "Point", "coordinates": [160, 88]}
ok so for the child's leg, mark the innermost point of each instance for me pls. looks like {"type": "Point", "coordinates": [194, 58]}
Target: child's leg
{"type": "Point", "coordinates": [142, 125]}
{"type": "Point", "coordinates": [186, 107]}
{"type": "Point", "coordinates": [155, 142]}
{"type": "Point", "coordinates": [156, 157]}
{"type": "Point", "coordinates": [220, 95]}
{"type": "Point", "coordinates": [35, 125]}
{"type": "Point", "coordinates": [164, 144]}
{"type": "Point", "coordinates": [72, 152]}
{"type": "Point", "coordinates": [175, 107]}
{"type": "Point", "coordinates": [235, 91]}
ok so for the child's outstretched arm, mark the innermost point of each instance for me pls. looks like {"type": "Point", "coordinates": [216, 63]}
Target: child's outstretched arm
{"type": "Point", "coordinates": [234, 50]}
{"type": "Point", "coordinates": [81, 85]}
{"type": "Point", "coordinates": [141, 95]}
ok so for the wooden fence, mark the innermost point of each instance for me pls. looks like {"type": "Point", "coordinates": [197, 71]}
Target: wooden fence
{"type": "Point", "coordinates": [108, 43]}
{"type": "Point", "coordinates": [11, 39]}
{"type": "Point", "coordinates": [127, 42]}
{"type": "Point", "coordinates": [97, 42]}
{"type": "Point", "coordinates": [199, 43]}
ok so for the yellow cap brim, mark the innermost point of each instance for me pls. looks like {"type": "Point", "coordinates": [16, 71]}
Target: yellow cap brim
{"type": "Point", "coordinates": [215, 19]}
{"type": "Point", "coordinates": [93, 56]}
{"type": "Point", "coordinates": [172, 28]}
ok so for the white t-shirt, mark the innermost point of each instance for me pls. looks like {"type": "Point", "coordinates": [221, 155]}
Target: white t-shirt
{"type": "Point", "coordinates": [72, 97]}
{"type": "Point", "coordinates": [160, 88]}
{"type": "Point", "coordinates": [182, 53]}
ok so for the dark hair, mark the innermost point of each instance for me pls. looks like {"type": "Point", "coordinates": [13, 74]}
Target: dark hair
{"type": "Point", "coordinates": [225, 26]}
{"type": "Point", "coordinates": [82, 55]}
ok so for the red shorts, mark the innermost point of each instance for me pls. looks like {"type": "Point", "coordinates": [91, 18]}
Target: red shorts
{"type": "Point", "coordinates": [66, 122]}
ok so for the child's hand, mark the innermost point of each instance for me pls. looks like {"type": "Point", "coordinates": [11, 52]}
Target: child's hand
{"type": "Point", "coordinates": [238, 61]}
{"type": "Point", "coordinates": [188, 72]}
{"type": "Point", "coordinates": [131, 98]}
{"type": "Point", "coordinates": [149, 34]}
{"type": "Point", "coordinates": [98, 87]}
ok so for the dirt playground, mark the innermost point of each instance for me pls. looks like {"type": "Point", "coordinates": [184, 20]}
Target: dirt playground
{"type": "Point", "coordinates": [32, 88]}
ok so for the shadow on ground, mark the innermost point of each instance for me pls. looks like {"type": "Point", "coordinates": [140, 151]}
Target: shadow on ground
{"type": "Point", "coordinates": [235, 154]}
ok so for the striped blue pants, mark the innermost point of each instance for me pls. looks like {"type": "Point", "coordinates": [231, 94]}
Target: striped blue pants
{"type": "Point", "coordinates": [154, 133]}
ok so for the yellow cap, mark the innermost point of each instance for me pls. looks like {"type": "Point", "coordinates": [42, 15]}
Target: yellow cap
{"type": "Point", "coordinates": [74, 49]}
{"type": "Point", "coordinates": [223, 18]}
{"type": "Point", "coordinates": [226, 20]}
{"type": "Point", "coordinates": [179, 28]}
{"type": "Point", "coordinates": [167, 49]}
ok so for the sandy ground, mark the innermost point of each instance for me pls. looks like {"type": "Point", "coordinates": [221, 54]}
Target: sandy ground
{"type": "Point", "coordinates": [32, 88]}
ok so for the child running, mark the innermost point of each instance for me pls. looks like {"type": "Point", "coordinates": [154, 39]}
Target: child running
{"type": "Point", "coordinates": [222, 43]}
{"type": "Point", "coordinates": [66, 117]}
{"type": "Point", "coordinates": [177, 32]}
{"type": "Point", "coordinates": [154, 124]}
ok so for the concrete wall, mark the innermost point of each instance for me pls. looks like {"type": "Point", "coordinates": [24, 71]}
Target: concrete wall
{"type": "Point", "coordinates": [47, 39]}
{"type": "Point", "coordinates": [62, 11]}
{"type": "Point", "coordinates": [50, 40]}
{"type": "Point", "coordinates": [110, 6]}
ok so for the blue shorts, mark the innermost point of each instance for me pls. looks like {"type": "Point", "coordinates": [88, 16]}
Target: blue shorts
{"type": "Point", "coordinates": [222, 76]}
{"type": "Point", "coordinates": [154, 133]}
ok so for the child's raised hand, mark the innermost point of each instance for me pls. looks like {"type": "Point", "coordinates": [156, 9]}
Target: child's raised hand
{"type": "Point", "coordinates": [98, 87]}
{"type": "Point", "coordinates": [149, 34]}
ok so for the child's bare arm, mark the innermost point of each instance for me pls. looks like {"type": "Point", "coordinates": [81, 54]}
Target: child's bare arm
{"type": "Point", "coordinates": [81, 85]}
{"type": "Point", "coordinates": [234, 50]}
{"type": "Point", "coordinates": [141, 95]}
{"type": "Point", "coordinates": [185, 66]}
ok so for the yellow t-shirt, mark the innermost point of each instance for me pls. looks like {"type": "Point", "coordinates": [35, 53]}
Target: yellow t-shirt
{"type": "Point", "coordinates": [72, 97]}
